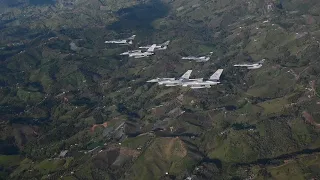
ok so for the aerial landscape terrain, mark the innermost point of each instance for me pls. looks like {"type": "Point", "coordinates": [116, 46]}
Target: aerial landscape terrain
{"type": "Point", "coordinates": [73, 106]}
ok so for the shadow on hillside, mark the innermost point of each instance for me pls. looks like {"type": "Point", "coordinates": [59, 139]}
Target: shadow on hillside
{"type": "Point", "coordinates": [42, 2]}
{"type": "Point", "coordinates": [139, 17]}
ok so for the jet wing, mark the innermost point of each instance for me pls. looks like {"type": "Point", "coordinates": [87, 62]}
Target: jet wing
{"type": "Point", "coordinates": [186, 75]}
{"type": "Point", "coordinates": [151, 49]}
{"type": "Point", "coordinates": [216, 75]}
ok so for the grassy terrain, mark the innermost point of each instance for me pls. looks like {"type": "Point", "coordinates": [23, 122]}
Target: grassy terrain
{"type": "Point", "coordinates": [8, 161]}
{"type": "Point", "coordinates": [163, 155]}
{"type": "Point", "coordinates": [51, 96]}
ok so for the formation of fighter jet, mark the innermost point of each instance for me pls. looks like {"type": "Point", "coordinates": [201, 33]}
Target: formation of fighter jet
{"type": "Point", "coordinates": [127, 41]}
{"type": "Point", "coordinates": [162, 46]}
{"type": "Point", "coordinates": [139, 53]}
{"type": "Point", "coordinates": [185, 81]}
{"type": "Point", "coordinates": [251, 65]}
{"type": "Point", "coordinates": [199, 59]}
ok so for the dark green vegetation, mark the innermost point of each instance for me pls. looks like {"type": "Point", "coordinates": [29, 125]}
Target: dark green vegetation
{"type": "Point", "coordinates": [41, 2]}
{"type": "Point", "coordinates": [260, 124]}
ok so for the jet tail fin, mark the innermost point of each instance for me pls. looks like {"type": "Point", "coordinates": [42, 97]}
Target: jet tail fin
{"type": "Point", "coordinates": [132, 37]}
{"type": "Point", "coordinates": [216, 75]}
{"type": "Point", "coordinates": [186, 75]}
{"type": "Point", "coordinates": [165, 43]}
{"type": "Point", "coordinates": [151, 48]}
{"type": "Point", "coordinates": [262, 61]}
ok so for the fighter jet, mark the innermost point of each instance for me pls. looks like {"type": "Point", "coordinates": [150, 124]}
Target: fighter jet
{"type": "Point", "coordinates": [139, 53]}
{"type": "Point", "coordinates": [186, 75]}
{"type": "Point", "coordinates": [162, 46]}
{"type": "Point", "coordinates": [213, 80]}
{"type": "Point", "coordinates": [127, 41]}
{"type": "Point", "coordinates": [251, 66]}
{"type": "Point", "coordinates": [174, 81]}
{"type": "Point", "coordinates": [199, 59]}
{"type": "Point", "coordinates": [130, 52]}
